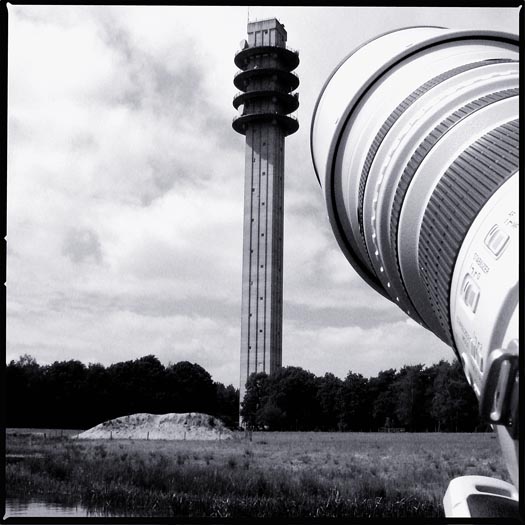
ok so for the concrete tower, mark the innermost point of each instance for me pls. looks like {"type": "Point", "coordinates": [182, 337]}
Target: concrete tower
{"type": "Point", "coordinates": [264, 105]}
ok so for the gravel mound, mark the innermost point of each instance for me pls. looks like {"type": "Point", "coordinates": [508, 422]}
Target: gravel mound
{"type": "Point", "coordinates": [192, 425]}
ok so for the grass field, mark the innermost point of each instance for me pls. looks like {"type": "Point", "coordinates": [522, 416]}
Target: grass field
{"type": "Point", "coordinates": [275, 474]}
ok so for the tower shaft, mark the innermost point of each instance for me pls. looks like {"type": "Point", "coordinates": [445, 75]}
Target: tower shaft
{"type": "Point", "coordinates": [264, 104]}
{"type": "Point", "coordinates": [261, 318]}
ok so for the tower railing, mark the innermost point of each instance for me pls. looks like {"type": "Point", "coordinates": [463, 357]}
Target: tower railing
{"type": "Point", "coordinates": [290, 57]}
{"type": "Point", "coordinates": [265, 69]}
{"type": "Point", "coordinates": [288, 48]}
{"type": "Point", "coordinates": [294, 94]}
{"type": "Point", "coordinates": [264, 113]}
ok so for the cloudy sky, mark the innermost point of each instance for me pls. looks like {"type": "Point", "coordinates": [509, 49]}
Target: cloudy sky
{"type": "Point", "coordinates": [125, 191]}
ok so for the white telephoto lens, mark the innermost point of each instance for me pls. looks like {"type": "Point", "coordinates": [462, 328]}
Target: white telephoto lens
{"type": "Point", "coordinates": [415, 141]}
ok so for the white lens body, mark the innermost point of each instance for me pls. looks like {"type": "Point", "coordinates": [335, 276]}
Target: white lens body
{"type": "Point", "coordinates": [391, 189]}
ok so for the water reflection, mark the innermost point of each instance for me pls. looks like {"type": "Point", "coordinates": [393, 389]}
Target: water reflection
{"type": "Point", "coordinates": [16, 508]}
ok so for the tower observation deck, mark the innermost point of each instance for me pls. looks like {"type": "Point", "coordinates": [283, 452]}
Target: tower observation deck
{"type": "Point", "coordinates": [264, 103]}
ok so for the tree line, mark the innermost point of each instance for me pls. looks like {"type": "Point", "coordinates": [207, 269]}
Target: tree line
{"type": "Point", "coordinates": [414, 399]}
{"type": "Point", "coordinates": [70, 394]}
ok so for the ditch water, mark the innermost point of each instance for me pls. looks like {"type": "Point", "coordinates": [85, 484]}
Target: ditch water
{"type": "Point", "coordinates": [19, 508]}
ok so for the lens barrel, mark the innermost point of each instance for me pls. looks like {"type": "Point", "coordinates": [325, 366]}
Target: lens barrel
{"type": "Point", "coordinates": [415, 141]}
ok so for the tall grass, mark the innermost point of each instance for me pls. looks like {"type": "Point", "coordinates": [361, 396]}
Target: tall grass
{"type": "Point", "coordinates": [277, 474]}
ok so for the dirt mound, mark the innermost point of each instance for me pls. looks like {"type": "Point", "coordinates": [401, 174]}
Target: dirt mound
{"type": "Point", "coordinates": [192, 425]}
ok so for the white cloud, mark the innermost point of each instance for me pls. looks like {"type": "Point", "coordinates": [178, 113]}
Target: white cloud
{"type": "Point", "coordinates": [123, 335]}
{"type": "Point", "coordinates": [365, 351]}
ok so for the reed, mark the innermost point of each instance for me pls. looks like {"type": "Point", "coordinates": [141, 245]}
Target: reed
{"type": "Point", "coordinates": [274, 475]}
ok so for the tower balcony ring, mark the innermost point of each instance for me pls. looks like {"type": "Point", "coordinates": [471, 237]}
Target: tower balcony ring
{"type": "Point", "coordinates": [285, 79]}
{"type": "Point", "coordinates": [288, 57]}
{"type": "Point", "coordinates": [287, 123]}
{"type": "Point", "coordinates": [289, 102]}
